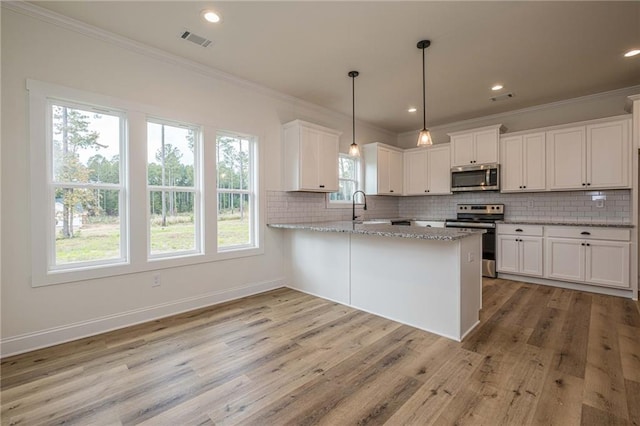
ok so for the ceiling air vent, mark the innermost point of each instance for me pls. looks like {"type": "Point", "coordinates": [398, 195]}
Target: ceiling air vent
{"type": "Point", "coordinates": [502, 97]}
{"type": "Point", "coordinates": [194, 38]}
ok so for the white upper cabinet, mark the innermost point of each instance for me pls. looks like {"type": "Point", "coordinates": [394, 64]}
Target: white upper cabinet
{"type": "Point", "coordinates": [595, 155]}
{"type": "Point", "coordinates": [310, 160]}
{"type": "Point", "coordinates": [384, 169]}
{"type": "Point", "coordinates": [523, 162]}
{"type": "Point", "coordinates": [427, 170]}
{"type": "Point", "coordinates": [609, 154]}
{"type": "Point", "coordinates": [477, 146]}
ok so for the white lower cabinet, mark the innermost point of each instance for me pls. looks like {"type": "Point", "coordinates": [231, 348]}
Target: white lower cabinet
{"type": "Point", "coordinates": [520, 250]}
{"type": "Point", "coordinates": [597, 256]}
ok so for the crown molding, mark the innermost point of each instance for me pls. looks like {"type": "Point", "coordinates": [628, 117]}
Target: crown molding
{"type": "Point", "coordinates": [501, 116]}
{"type": "Point", "coordinates": [50, 17]}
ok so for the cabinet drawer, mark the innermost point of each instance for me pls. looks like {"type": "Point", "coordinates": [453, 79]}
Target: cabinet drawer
{"type": "Point", "coordinates": [529, 230]}
{"type": "Point", "coordinates": [588, 232]}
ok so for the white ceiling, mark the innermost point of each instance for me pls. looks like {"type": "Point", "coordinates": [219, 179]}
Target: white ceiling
{"type": "Point", "coordinates": [541, 51]}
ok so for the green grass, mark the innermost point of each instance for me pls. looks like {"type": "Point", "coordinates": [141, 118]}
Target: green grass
{"type": "Point", "coordinates": [101, 241]}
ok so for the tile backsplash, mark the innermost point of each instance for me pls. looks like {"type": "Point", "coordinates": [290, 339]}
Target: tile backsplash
{"type": "Point", "coordinates": [297, 207]}
{"type": "Point", "coordinates": [575, 206]}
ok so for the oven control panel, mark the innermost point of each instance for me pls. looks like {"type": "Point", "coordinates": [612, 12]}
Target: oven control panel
{"type": "Point", "coordinates": [482, 209]}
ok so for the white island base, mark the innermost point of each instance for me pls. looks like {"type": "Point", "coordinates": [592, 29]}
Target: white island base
{"type": "Point", "coordinates": [434, 285]}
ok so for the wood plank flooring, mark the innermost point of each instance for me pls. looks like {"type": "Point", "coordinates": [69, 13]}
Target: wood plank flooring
{"type": "Point", "coordinates": [541, 355]}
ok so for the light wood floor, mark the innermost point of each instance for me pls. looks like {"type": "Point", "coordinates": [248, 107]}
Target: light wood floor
{"type": "Point", "coordinates": [541, 356]}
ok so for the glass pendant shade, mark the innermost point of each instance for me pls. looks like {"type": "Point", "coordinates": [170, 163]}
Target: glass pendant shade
{"type": "Point", "coordinates": [424, 138]}
{"type": "Point", "coordinates": [354, 150]}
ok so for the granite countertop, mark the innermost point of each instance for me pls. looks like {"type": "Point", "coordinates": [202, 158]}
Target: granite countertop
{"type": "Point", "coordinates": [383, 230]}
{"type": "Point", "coordinates": [558, 223]}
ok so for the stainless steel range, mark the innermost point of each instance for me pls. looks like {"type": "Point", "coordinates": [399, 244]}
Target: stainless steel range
{"type": "Point", "coordinates": [483, 216]}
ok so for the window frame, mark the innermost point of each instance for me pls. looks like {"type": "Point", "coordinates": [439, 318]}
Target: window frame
{"type": "Point", "coordinates": [135, 203]}
{"type": "Point", "coordinates": [343, 204]}
{"type": "Point", "coordinates": [252, 192]}
{"type": "Point", "coordinates": [196, 190]}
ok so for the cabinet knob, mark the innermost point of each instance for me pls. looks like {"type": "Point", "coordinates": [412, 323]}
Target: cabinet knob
{"type": "Point", "coordinates": [321, 186]}
{"type": "Point", "coordinates": [588, 245]}
{"type": "Point", "coordinates": [584, 184]}
{"type": "Point", "coordinates": [582, 244]}
{"type": "Point", "coordinates": [426, 190]}
{"type": "Point", "coordinates": [585, 233]}
{"type": "Point", "coordinates": [391, 190]}
{"type": "Point", "coordinates": [525, 186]}
{"type": "Point", "coordinates": [520, 187]}
{"type": "Point", "coordinates": [519, 230]}
{"type": "Point", "coordinates": [588, 183]}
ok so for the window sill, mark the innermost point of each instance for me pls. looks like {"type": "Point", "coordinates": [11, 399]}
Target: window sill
{"type": "Point", "coordinates": [108, 271]}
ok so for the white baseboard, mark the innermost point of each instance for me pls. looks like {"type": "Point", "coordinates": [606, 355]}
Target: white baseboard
{"type": "Point", "coordinates": [53, 336]}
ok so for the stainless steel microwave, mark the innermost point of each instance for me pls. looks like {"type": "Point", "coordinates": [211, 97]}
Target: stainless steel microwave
{"type": "Point", "coordinates": [483, 177]}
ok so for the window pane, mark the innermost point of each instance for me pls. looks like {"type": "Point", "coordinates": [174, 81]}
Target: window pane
{"type": "Point", "coordinates": [233, 162]}
{"type": "Point", "coordinates": [170, 155]}
{"type": "Point", "coordinates": [347, 168]}
{"type": "Point", "coordinates": [87, 225]}
{"type": "Point", "coordinates": [346, 190]}
{"type": "Point", "coordinates": [234, 219]}
{"type": "Point", "coordinates": [172, 225]}
{"type": "Point", "coordinates": [86, 146]}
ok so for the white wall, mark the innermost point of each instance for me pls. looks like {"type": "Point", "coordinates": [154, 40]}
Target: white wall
{"type": "Point", "coordinates": [35, 49]}
{"type": "Point", "coordinates": [579, 109]}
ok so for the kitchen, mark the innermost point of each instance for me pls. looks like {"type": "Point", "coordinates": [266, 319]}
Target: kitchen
{"type": "Point", "coordinates": [43, 44]}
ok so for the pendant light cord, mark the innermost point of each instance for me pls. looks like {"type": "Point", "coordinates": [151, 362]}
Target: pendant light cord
{"type": "Point", "coordinates": [424, 95]}
{"type": "Point", "coordinates": [353, 114]}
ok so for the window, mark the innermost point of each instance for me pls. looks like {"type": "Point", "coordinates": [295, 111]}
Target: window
{"type": "Point", "coordinates": [348, 179]}
{"type": "Point", "coordinates": [236, 184]}
{"type": "Point", "coordinates": [103, 206]}
{"type": "Point", "coordinates": [86, 186]}
{"type": "Point", "coordinates": [173, 189]}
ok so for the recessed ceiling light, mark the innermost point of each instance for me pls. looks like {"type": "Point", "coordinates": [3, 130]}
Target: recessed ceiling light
{"type": "Point", "coordinates": [412, 109]}
{"type": "Point", "coordinates": [631, 53]}
{"type": "Point", "coordinates": [497, 87]}
{"type": "Point", "coordinates": [210, 16]}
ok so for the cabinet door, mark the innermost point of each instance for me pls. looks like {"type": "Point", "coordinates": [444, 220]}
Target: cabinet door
{"type": "Point", "coordinates": [309, 158]}
{"type": "Point", "coordinates": [416, 182]}
{"type": "Point", "coordinates": [485, 145]}
{"type": "Point", "coordinates": [566, 158]}
{"type": "Point", "coordinates": [384, 161]}
{"type": "Point", "coordinates": [462, 150]}
{"type": "Point", "coordinates": [530, 262]}
{"type": "Point", "coordinates": [508, 258]}
{"type": "Point", "coordinates": [511, 169]}
{"type": "Point", "coordinates": [439, 171]}
{"type": "Point", "coordinates": [607, 263]}
{"type": "Point", "coordinates": [608, 155]}
{"type": "Point", "coordinates": [328, 162]}
{"type": "Point", "coordinates": [534, 162]}
{"type": "Point", "coordinates": [396, 173]}
{"type": "Point", "coordinates": [564, 259]}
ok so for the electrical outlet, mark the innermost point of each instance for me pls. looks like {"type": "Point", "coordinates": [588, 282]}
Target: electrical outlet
{"type": "Point", "coordinates": [530, 204]}
{"type": "Point", "coordinates": [156, 281]}
{"type": "Point", "coordinates": [600, 203]}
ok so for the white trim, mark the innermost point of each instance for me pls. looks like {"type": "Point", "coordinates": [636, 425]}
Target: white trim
{"type": "Point", "coordinates": [470, 123]}
{"type": "Point", "coordinates": [53, 336]}
{"type": "Point", "coordinates": [71, 24]}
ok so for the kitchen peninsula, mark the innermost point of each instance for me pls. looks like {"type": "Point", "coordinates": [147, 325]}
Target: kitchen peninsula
{"type": "Point", "coordinates": [429, 278]}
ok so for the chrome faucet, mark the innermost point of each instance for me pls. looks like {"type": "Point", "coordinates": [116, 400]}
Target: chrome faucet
{"type": "Point", "coordinates": [353, 203]}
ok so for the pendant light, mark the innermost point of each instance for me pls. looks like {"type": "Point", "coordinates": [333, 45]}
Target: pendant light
{"type": "Point", "coordinates": [424, 138]}
{"type": "Point", "coordinates": [354, 149]}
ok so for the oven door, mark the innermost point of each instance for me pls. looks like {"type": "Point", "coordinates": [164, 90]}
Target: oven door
{"type": "Point", "coordinates": [485, 177]}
